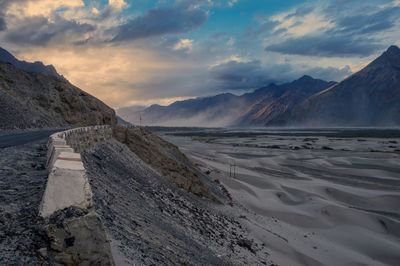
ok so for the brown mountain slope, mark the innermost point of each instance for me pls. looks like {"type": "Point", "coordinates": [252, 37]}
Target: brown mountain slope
{"type": "Point", "coordinates": [285, 98]}
{"type": "Point", "coordinates": [35, 100]}
{"type": "Point", "coordinates": [370, 97]}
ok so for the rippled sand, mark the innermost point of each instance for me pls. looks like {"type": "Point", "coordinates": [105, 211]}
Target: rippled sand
{"type": "Point", "coordinates": [313, 200]}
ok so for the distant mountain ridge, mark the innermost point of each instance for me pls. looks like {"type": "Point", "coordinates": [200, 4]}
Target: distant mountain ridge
{"type": "Point", "coordinates": [289, 95]}
{"type": "Point", "coordinates": [36, 67]}
{"type": "Point", "coordinates": [370, 97]}
{"type": "Point", "coordinates": [227, 109]}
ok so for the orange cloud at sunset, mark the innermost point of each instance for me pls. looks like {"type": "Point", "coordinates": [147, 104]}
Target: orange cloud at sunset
{"type": "Point", "coordinates": [111, 72]}
{"type": "Point", "coordinates": [42, 7]}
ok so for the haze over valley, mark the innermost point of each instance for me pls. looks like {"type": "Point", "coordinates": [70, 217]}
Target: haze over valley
{"type": "Point", "coordinates": [370, 97]}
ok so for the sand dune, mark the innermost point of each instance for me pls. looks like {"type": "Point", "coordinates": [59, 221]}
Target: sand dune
{"type": "Point", "coordinates": [312, 201]}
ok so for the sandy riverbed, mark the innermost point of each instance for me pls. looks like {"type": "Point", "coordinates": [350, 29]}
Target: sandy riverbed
{"type": "Point", "coordinates": [313, 200]}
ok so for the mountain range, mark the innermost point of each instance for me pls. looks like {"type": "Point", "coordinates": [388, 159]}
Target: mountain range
{"type": "Point", "coordinates": [370, 97]}
{"type": "Point", "coordinates": [33, 95]}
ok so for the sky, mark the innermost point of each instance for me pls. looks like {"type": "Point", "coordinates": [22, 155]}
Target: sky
{"type": "Point", "coordinates": [142, 52]}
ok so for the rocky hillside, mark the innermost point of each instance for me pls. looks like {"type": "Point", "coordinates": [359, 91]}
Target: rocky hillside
{"type": "Point", "coordinates": [38, 100]}
{"type": "Point", "coordinates": [370, 97]}
{"type": "Point", "coordinates": [151, 221]}
{"type": "Point", "coordinates": [168, 161]}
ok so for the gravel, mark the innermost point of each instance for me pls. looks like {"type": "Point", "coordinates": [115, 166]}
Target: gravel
{"type": "Point", "coordinates": [153, 222]}
{"type": "Point", "coordinates": [22, 182]}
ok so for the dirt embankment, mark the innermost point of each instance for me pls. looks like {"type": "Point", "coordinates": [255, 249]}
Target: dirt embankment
{"type": "Point", "coordinates": [151, 221]}
{"type": "Point", "coordinates": [168, 161]}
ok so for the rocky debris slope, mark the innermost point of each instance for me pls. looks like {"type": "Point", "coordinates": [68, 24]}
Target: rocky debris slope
{"type": "Point", "coordinates": [168, 161]}
{"type": "Point", "coordinates": [22, 183]}
{"type": "Point", "coordinates": [153, 222]}
{"type": "Point", "coordinates": [35, 100]}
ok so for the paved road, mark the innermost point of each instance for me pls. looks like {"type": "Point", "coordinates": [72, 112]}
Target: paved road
{"type": "Point", "coordinates": [22, 182]}
{"type": "Point", "coordinates": [20, 138]}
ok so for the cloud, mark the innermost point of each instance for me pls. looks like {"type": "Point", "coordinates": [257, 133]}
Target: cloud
{"type": "Point", "coordinates": [117, 5]}
{"type": "Point", "coordinates": [352, 30]}
{"type": "Point", "coordinates": [184, 44]}
{"type": "Point", "coordinates": [234, 75]}
{"type": "Point", "coordinates": [329, 73]}
{"type": "Point", "coordinates": [41, 31]}
{"type": "Point", "coordinates": [246, 75]}
{"type": "Point", "coordinates": [3, 9]}
{"type": "Point", "coordinates": [44, 22]}
{"type": "Point", "coordinates": [161, 21]}
{"type": "Point", "coordinates": [325, 45]}
{"type": "Point", "coordinates": [238, 75]}
{"type": "Point", "coordinates": [369, 23]}
{"type": "Point", "coordinates": [95, 11]}
{"type": "Point", "coordinates": [45, 8]}
{"type": "Point", "coordinates": [3, 24]}
{"type": "Point", "coordinates": [231, 3]}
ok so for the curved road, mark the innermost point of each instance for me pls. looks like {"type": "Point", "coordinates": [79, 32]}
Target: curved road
{"type": "Point", "coordinates": [22, 182]}
{"type": "Point", "coordinates": [20, 138]}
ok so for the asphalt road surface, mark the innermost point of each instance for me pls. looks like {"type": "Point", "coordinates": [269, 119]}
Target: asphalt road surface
{"type": "Point", "coordinates": [23, 179]}
{"type": "Point", "coordinates": [20, 138]}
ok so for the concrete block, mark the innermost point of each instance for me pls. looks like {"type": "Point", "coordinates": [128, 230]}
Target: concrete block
{"type": "Point", "coordinates": [67, 186]}
{"type": "Point", "coordinates": [55, 152]}
{"type": "Point", "coordinates": [56, 139]}
{"type": "Point", "coordinates": [53, 143]}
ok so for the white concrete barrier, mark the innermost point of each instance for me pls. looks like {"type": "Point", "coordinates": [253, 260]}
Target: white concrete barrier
{"type": "Point", "coordinates": [67, 183]}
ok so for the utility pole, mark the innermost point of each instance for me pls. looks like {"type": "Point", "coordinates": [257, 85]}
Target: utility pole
{"type": "Point", "coordinates": [234, 169]}
{"type": "Point", "coordinates": [232, 165]}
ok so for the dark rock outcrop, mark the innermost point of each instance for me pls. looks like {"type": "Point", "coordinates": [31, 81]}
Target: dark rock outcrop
{"type": "Point", "coordinates": [77, 237]}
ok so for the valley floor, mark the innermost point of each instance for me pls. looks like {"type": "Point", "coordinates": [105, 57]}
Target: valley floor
{"type": "Point", "coordinates": [312, 200]}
